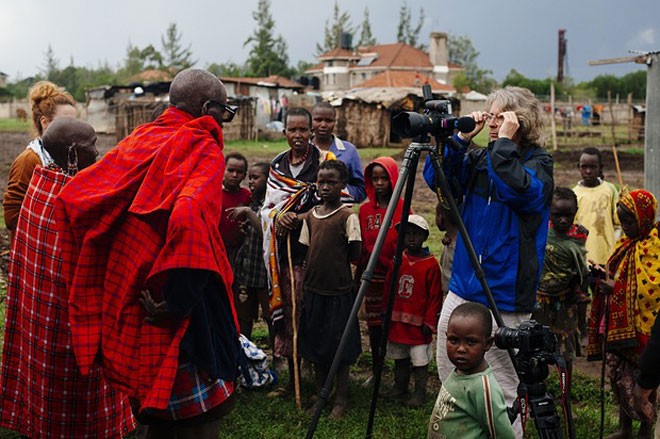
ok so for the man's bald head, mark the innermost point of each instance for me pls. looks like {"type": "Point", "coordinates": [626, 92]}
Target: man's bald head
{"type": "Point", "coordinates": [64, 132]}
{"type": "Point", "coordinates": [191, 88]}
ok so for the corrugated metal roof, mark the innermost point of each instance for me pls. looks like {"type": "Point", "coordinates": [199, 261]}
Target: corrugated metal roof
{"type": "Point", "coordinates": [373, 95]}
{"type": "Point", "coordinates": [270, 81]}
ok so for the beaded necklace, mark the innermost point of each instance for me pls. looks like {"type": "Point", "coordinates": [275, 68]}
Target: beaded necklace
{"type": "Point", "coordinates": [302, 160]}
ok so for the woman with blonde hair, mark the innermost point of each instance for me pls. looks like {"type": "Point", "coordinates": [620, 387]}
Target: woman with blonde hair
{"type": "Point", "coordinates": [506, 191]}
{"type": "Point", "coordinates": [47, 102]}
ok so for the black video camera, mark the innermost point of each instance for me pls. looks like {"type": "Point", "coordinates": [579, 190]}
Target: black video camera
{"type": "Point", "coordinates": [436, 120]}
{"type": "Point", "coordinates": [530, 337]}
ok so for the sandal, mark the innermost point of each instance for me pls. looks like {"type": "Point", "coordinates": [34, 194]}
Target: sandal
{"type": "Point", "coordinates": [280, 392]}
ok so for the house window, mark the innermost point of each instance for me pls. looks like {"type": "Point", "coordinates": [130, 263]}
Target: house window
{"type": "Point", "coordinates": [330, 63]}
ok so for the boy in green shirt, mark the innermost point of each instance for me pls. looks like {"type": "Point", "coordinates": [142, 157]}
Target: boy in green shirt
{"type": "Point", "coordinates": [470, 403]}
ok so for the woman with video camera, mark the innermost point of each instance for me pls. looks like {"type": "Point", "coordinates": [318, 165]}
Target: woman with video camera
{"type": "Point", "coordinates": [505, 190]}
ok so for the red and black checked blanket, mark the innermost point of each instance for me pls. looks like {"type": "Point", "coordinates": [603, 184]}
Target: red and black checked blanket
{"type": "Point", "coordinates": [42, 393]}
{"type": "Point", "coordinates": [152, 204]}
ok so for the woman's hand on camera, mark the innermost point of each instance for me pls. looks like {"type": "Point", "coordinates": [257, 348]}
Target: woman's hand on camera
{"type": "Point", "coordinates": [480, 119]}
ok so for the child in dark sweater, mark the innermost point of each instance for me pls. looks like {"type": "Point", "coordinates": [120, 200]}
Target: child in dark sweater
{"type": "Point", "coordinates": [332, 233]}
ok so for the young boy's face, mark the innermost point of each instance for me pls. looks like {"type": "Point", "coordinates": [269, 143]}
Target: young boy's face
{"type": "Point", "coordinates": [329, 185]}
{"type": "Point", "coordinates": [381, 181]}
{"type": "Point", "coordinates": [257, 180]}
{"type": "Point", "coordinates": [297, 132]}
{"type": "Point", "coordinates": [589, 169]}
{"type": "Point", "coordinates": [234, 173]}
{"type": "Point", "coordinates": [415, 238]}
{"type": "Point", "coordinates": [323, 121]}
{"type": "Point", "coordinates": [467, 344]}
{"type": "Point", "coordinates": [562, 214]}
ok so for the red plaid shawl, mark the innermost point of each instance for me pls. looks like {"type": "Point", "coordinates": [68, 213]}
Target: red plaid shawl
{"type": "Point", "coordinates": [151, 204]}
{"type": "Point", "coordinates": [42, 394]}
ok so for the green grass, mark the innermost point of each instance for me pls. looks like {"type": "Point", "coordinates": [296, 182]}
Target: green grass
{"type": "Point", "coordinates": [263, 417]}
{"type": "Point", "coordinates": [14, 125]}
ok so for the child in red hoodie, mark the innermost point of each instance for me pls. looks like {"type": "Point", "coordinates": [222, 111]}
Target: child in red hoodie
{"type": "Point", "coordinates": [417, 303]}
{"type": "Point", "coordinates": [380, 177]}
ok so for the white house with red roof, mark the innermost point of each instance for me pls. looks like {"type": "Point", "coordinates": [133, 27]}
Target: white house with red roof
{"type": "Point", "coordinates": [387, 65]}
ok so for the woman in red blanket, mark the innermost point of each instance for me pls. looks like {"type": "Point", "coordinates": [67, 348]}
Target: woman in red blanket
{"type": "Point", "coordinates": [146, 269]}
{"type": "Point", "coordinates": [42, 394]}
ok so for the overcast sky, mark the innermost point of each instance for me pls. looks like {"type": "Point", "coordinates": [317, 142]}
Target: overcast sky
{"type": "Point", "coordinates": [509, 34]}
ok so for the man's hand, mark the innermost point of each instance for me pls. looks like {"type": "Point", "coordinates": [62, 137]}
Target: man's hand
{"type": "Point", "coordinates": [642, 403]}
{"type": "Point", "coordinates": [157, 313]}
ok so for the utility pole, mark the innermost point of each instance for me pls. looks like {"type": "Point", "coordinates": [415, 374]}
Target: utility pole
{"type": "Point", "coordinates": [561, 58]}
{"type": "Point", "coordinates": [651, 124]}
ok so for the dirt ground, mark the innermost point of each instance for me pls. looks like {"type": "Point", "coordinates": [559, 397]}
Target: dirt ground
{"type": "Point", "coordinates": [566, 174]}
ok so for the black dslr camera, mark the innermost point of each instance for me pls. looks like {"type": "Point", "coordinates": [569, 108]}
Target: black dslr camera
{"type": "Point", "coordinates": [437, 119]}
{"type": "Point", "coordinates": [530, 337]}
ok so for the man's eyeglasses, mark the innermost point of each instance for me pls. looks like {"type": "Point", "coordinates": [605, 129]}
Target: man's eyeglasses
{"type": "Point", "coordinates": [228, 111]}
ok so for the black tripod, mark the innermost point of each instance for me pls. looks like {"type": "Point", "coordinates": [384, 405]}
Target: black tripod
{"type": "Point", "coordinates": [406, 177]}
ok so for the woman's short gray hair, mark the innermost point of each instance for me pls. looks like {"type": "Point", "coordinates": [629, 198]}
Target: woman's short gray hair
{"type": "Point", "coordinates": [527, 108]}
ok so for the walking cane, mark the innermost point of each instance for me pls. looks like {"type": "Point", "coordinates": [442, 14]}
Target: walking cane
{"type": "Point", "coordinates": [296, 375]}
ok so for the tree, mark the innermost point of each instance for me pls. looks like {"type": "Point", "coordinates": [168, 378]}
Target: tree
{"type": "Point", "coordinates": [405, 33]}
{"type": "Point", "coordinates": [301, 68]}
{"type": "Point", "coordinates": [540, 87]}
{"type": "Point", "coordinates": [51, 64]}
{"type": "Point", "coordinates": [268, 55]}
{"type": "Point", "coordinates": [463, 53]}
{"type": "Point", "coordinates": [138, 60]}
{"type": "Point", "coordinates": [175, 56]}
{"type": "Point", "coordinates": [366, 37]}
{"type": "Point", "coordinates": [634, 83]}
{"type": "Point", "coordinates": [461, 83]}
{"type": "Point", "coordinates": [230, 69]}
{"type": "Point", "coordinates": [341, 24]}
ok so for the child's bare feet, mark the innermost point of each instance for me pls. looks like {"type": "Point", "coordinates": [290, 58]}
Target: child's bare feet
{"type": "Point", "coordinates": [339, 410]}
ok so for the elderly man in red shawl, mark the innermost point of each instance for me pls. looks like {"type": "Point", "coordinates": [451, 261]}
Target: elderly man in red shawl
{"type": "Point", "coordinates": [146, 269]}
{"type": "Point", "coordinates": [42, 393]}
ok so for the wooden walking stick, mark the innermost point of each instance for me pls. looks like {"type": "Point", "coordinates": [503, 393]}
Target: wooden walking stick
{"type": "Point", "coordinates": [603, 362]}
{"type": "Point", "coordinates": [296, 374]}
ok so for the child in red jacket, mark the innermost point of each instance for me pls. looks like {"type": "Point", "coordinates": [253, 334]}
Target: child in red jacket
{"type": "Point", "coordinates": [380, 177]}
{"type": "Point", "coordinates": [415, 315]}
